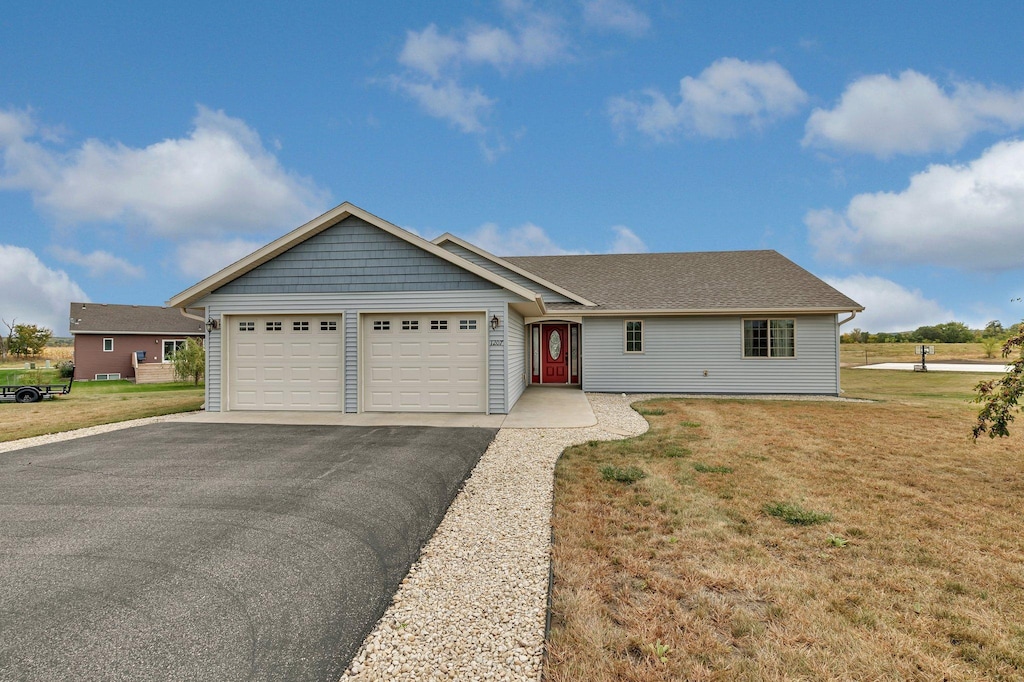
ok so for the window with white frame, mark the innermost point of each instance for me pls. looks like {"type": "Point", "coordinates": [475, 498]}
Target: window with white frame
{"type": "Point", "coordinates": [381, 325]}
{"type": "Point", "coordinates": [302, 326]}
{"type": "Point", "coordinates": [439, 325]}
{"type": "Point", "coordinates": [410, 325]}
{"type": "Point", "coordinates": [634, 336]}
{"type": "Point", "coordinates": [108, 345]}
{"type": "Point", "coordinates": [246, 326]}
{"type": "Point", "coordinates": [768, 338]}
{"type": "Point", "coordinates": [467, 325]}
{"type": "Point", "coordinates": [328, 325]}
{"type": "Point", "coordinates": [172, 346]}
{"type": "Point", "coordinates": [273, 326]}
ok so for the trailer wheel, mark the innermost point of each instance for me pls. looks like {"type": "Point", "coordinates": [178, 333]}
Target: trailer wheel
{"type": "Point", "coordinates": [28, 395]}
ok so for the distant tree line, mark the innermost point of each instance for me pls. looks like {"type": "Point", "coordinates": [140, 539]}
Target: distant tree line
{"type": "Point", "coordinates": [947, 332]}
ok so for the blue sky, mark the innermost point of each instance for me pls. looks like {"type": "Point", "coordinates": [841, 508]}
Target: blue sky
{"type": "Point", "coordinates": [143, 146]}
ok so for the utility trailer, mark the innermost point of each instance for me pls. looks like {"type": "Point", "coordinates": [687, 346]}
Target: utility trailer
{"type": "Point", "coordinates": [33, 393]}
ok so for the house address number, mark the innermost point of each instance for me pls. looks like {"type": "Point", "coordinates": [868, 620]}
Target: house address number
{"type": "Point", "coordinates": [497, 342]}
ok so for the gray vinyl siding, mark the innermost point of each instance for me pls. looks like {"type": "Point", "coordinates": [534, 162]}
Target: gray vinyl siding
{"type": "Point", "coordinates": [354, 256]}
{"type": "Point", "coordinates": [493, 302]}
{"type": "Point", "coordinates": [549, 295]}
{"type": "Point", "coordinates": [677, 351]}
{"type": "Point", "coordinates": [515, 351]}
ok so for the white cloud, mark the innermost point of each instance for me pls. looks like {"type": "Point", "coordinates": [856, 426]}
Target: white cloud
{"type": "Point", "coordinates": [98, 263]}
{"type": "Point", "coordinates": [615, 16]}
{"type": "Point", "coordinates": [728, 97]}
{"type": "Point", "coordinates": [436, 62]}
{"type": "Point", "coordinates": [911, 114]}
{"type": "Point", "coordinates": [219, 177]}
{"type": "Point", "coordinates": [201, 258]}
{"type": "Point", "coordinates": [963, 216]}
{"type": "Point", "coordinates": [626, 241]}
{"type": "Point", "coordinates": [448, 100]}
{"type": "Point", "coordinates": [530, 239]}
{"type": "Point", "coordinates": [889, 307]}
{"type": "Point", "coordinates": [31, 293]}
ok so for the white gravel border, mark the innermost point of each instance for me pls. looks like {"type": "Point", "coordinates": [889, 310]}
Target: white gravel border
{"type": "Point", "coordinates": [473, 606]}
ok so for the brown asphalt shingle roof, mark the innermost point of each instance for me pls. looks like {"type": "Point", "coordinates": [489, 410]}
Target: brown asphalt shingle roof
{"type": "Point", "coordinates": [703, 281]}
{"type": "Point", "coordinates": [131, 319]}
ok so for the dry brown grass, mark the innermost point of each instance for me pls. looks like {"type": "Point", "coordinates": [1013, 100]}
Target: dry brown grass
{"type": "Point", "coordinates": [93, 403]}
{"type": "Point", "coordinates": [929, 584]}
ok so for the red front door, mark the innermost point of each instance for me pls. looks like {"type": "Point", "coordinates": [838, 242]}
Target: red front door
{"type": "Point", "coordinates": [554, 354]}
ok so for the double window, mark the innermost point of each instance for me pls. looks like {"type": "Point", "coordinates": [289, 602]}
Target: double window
{"type": "Point", "coordinates": [768, 338]}
{"type": "Point", "coordinates": [172, 346]}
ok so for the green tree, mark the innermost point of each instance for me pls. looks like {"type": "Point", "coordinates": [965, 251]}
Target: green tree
{"type": "Point", "coordinates": [1000, 397]}
{"type": "Point", "coordinates": [27, 339]}
{"type": "Point", "coordinates": [190, 362]}
{"type": "Point", "coordinates": [993, 328]}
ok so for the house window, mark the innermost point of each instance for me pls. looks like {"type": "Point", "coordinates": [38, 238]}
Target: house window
{"type": "Point", "coordinates": [246, 326]}
{"type": "Point", "coordinates": [467, 325]}
{"type": "Point", "coordinates": [410, 325]}
{"type": "Point", "coordinates": [439, 325]}
{"type": "Point", "coordinates": [108, 377]}
{"type": "Point", "coordinates": [108, 345]}
{"type": "Point", "coordinates": [273, 326]}
{"type": "Point", "coordinates": [328, 325]}
{"type": "Point", "coordinates": [381, 325]}
{"type": "Point", "coordinates": [769, 338]}
{"type": "Point", "coordinates": [300, 326]}
{"type": "Point", "coordinates": [172, 346]}
{"type": "Point", "coordinates": [634, 336]}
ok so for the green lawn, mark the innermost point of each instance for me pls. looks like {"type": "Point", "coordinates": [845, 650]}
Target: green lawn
{"type": "Point", "coordinates": [96, 402]}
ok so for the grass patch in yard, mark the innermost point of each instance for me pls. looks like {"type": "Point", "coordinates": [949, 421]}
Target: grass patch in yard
{"type": "Point", "coordinates": [650, 412]}
{"type": "Point", "coordinates": [683, 576]}
{"type": "Point", "coordinates": [793, 513]}
{"type": "Point", "coordinates": [622, 474]}
{"type": "Point", "coordinates": [92, 403]}
{"type": "Point", "coordinates": [702, 468]}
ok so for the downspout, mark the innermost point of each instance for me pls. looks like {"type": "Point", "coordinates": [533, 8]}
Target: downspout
{"type": "Point", "coordinates": [853, 314]}
{"type": "Point", "coordinates": [191, 316]}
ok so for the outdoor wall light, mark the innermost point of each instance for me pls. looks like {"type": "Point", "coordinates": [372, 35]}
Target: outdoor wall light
{"type": "Point", "coordinates": [212, 323]}
{"type": "Point", "coordinates": [495, 322]}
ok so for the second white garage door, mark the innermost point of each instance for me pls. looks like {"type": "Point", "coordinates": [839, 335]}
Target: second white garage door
{"type": "Point", "coordinates": [424, 362]}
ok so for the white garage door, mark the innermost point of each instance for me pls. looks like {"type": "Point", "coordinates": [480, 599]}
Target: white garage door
{"type": "Point", "coordinates": [285, 362]}
{"type": "Point", "coordinates": [424, 362]}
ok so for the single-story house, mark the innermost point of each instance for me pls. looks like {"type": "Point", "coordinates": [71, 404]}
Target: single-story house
{"type": "Point", "coordinates": [129, 341]}
{"type": "Point", "coordinates": [352, 313]}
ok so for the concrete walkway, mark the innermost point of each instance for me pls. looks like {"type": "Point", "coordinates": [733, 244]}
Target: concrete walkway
{"type": "Point", "coordinates": [540, 407]}
{"type": "Point", "coordinates": [941, 367]}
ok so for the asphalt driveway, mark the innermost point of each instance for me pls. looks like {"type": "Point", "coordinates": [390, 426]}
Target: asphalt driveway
{"type": "Point", "coordinates": [214, 551]}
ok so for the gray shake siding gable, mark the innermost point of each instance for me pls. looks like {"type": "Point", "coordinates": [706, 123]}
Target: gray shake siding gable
{"type": "Point", "coordinates": [354, 256]}
{"type": "Point", "coordinates": [677, 351]}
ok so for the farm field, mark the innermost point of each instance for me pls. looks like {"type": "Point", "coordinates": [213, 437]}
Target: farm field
{"type": "Point", "coordinates": [770, 540]}
{"type": "Point", "coordinates": [852, 354]}
{"type": "Point", "coordinates": [92, 403]}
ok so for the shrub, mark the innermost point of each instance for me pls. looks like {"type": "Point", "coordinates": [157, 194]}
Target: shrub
{"type": "Point", "coordinates": [793, 513]}
{"type": "Point", "coordinates": [66, 369]}
{"type": "Point", "coordinates": [622, 474]}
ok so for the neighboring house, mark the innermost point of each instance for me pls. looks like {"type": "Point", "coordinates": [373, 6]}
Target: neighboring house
{"type": "Point", "coordinates": [351, 313]}
{"type": "Point", "coordinates": [129, 341]}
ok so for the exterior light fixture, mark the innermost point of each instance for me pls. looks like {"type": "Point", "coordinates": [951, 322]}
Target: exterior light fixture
{"type": "Point", "coordinates": [212, 323]}
{"type": "Point", "coordinates": [495, 322]}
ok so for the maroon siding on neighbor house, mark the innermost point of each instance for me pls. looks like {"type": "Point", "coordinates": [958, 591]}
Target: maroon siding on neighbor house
{"type": "Point", "coordinates": [91, 359]}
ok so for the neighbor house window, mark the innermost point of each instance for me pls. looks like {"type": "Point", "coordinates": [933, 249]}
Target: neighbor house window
{"type": "Point", "coordinates": [108, 345]}
{"type": "Point", "coordinates": [634, 336]}
{"type": "Point", "coordinates": [769, 338]}
{"type": "Point", "coordinates": [171, 346]}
